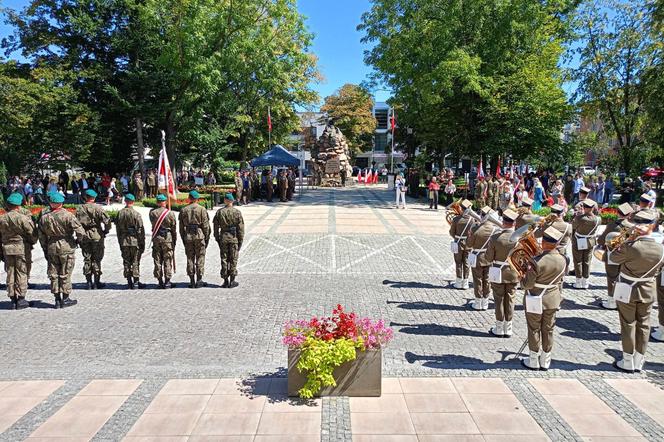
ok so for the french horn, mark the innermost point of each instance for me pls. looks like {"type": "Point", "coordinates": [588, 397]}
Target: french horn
{"type": "Point", "coordinates": [453, 210]}
{"type": "Point", "coordinates": [523, 255]}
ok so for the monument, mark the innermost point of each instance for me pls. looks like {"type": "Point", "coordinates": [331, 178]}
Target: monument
{"type": "Point", "coordinates": [333, 157]}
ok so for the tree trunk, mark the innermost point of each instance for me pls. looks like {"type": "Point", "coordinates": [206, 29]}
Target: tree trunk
{"type": "Point", "coordinates": [140, 146]}
{"type": "Point", "coordinates": [242, 141]}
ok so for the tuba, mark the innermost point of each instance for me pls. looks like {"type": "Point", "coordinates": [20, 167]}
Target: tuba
{"type": "Point", "coordinates": [527, 248]}
{"type": "Point", "coordinates": [453, 210]}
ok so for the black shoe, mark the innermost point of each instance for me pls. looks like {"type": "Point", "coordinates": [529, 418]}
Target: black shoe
{"type": "Point", "coordinates": [138, 284]}
{"type": "Point", "coordinates": [200, 283]}
{"type": "Point", "coordinates": [58, 301]}
{"type": "Point", "coordinates": [88, 281]}
{"type": "Point", "coordinates": [130, 282]}
{"type": "Point", "coordinates": [192, 282]}
{"type": "Point", "coordinates": [225, 284]}
{"type": "Point", "coordinates": [21, 304]}
{"type": "Point", "coordinates": [67, 302]}
{"type": "Point", "coordinates": [98, 283]}
{"type": "Point", "coordinates": [233, 284]}
{"type": "Point", "coordinates": [161, 283]}
{"type": "Point", "coordinates": [14, 303]}
{"type": "Point", "coordinates": [168, 284]}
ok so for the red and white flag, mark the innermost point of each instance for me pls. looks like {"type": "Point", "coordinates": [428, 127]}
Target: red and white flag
{"type": "Point", "coordinates": [164, 173]}
{"type": "Point", "coordinates": [480, 170]}
{"type": "Point", "coordinates": [393, 121]}
{"type": "Point", "coordinates": [359, 176]}
{"type": "Point", "coordinates": [498, 169]}
{"type": "Point", "coordinates": [269, 120]}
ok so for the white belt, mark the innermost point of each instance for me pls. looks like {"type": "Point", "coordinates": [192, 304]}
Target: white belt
{"type": "Point", "coordinates": [578, 235]}
{"type": "Point", "coordinates": [546, 287]}
{"type": "Point", "coordinates": [460, 237]}
{"type": "Point", "coordinates": [636, 280]}
{"type": "Point", "coordinates": [476, 251]}
{"type": "Point", "coordinates": [500, 263]}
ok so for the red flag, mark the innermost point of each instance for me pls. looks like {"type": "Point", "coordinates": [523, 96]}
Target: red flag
{"type": "Point", "coordinates": [498, 169]}
{"type": "Point", "coordinates": [393, 121]}
{"type": "Point", "coordinates": [269, 120]}
{"type": "Point", "coordinates": [359, 176]}
{"type": "Point", "coordinates": [376, 177]}
{"type": "Point", "coordinates": [480, 170]}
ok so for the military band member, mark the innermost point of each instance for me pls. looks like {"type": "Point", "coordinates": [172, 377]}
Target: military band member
{"type": "Point", "coordinates": [542, 300]}
{"type": "Point", "coordinates": [647, 202]}
{"type": "Point", "coordinates": [585, 227]}
{"type": "Point", "coordinates": [635, 290]}
{"type": "Point", "coordinates": [583, 195]}
{"type": "Point", "coordinates": [502, 276]}
{"type": "Point", "coordinates": [195, 232]}
{"type": "Point", "coordinates": [28, 245]}
{"type": "Point", "coordinates": [97, 224]}
{"type": "Point", "coordinates": [229, 234]}
{"type": "Point", "coordinates": [164, 238]}
{"type": "Point", "coordinates": [658, 333]}
{"type": "Point", "coordinates": [612, 269]}
{"type": "Point", "coordinates": [459, 230]}
{"type": "Point", "coordinates": [477, 242]}
{"type": "Point", "coordinates": [560, 224]}
{"type": "Point", "coordinates": [526, 215]}
{"type": "Point", "coordinates": [59, 232]}
{"type": "Point", "coordinates": [16, 230]}
{"type": "Point", "coordinates": [131, 237]}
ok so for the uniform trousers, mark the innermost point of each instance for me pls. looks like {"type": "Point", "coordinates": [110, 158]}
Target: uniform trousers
{"type": "Point", "coordinates": [612, 273]}
{"type": "Point", "coordinates": [93, 253]}
{"type": "Point", "coordinates": [540, 330]}
{"type": "Point", "coordinates": [195, 251]}
{"type": "Point", "coordinates": [228, 252]}
{"type": "Point", "coordinates": [461, 262]}
{"type": "Point", "coordinates": [634, 326]}
{"type": "Point", "coordinates": [582, 260]}
{"type": "Point", "coordinates": [17, 275]}
{"type": "Point", "coordinates": [162, 255]}
{"type": "Point", "coordinates": [131, 261]}
{"type": "Point", "coordinates": [481, 285]}
{"type": "Point", "coordinates": [60, 268]}
{"type": "Point", "coordinates": [503, 298]}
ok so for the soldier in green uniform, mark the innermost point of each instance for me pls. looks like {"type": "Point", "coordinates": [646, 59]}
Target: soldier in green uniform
{"type": "Point", "coordinates": [459, 230]}
{"type": "Point", "coordinates": [635, 291]}
{"type": "Point", "coordinates": [97, 224]}
{"type": "Point", "coordinates": [542, 283]}
{"type": "Point", "coordinates": [489, 193]}
{"type": "Point", "coordinates": [57, 229]}
{"type": "Point", "coordinates": [481, 190]}
{"type": "Point", "coordinates": [28, 245]}
{"type": "Point", "coordinates": [477, 242]}
{"type": "Point", "coordinates": [229, 234]}
{"type": "Point", "coordinates": [16, 230]}
{"type": "Point", "coordinates": [164, 237]}
{"type": "Point", "coordinates": [131, 237]}
{"type": "Point", "coordinates": [238, 186]}
{"type": "Point", "coordinates": [283, 186]}
{"type": "Point", "coordinates": [195, 232]}
{"type": "Point", "coordinates": [497, 184]}
{"type": "Point", "coordinates": [613, 270]}
{"type": "Point", "coordinates": [502, 276]}
{"type": "Point", "coordinates": [151, 182]}
{"type": "Point", "coordinates": [138, 186]}
{"type": "Point", "coordinates": [585, 227]}
{"type": "Point", "coordinates": [269, 185]}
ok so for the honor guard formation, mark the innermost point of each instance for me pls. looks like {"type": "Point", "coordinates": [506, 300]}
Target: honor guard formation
{"type": "Point", "coordinates": [518, 249]}
{"type": "Point", "coordinates": [60, 232]}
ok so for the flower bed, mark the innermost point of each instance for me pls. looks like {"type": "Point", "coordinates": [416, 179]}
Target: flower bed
{"type": "Point", "coordinates": [207, 189]}
{"type": "Point", "coordinates": [205, 201]}
{"type": "Point", "coordinates": [321, 347]}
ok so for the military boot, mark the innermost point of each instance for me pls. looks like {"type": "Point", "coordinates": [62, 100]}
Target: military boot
{"type": "Point", "coordinates": [192, 282]}
{"type": "Point", "coordinates": [14, 301]}
{"type": "Point", "coordinates": [98, 283]}
{"type": "Point", "coordinates": [232, 283]}
{"type": "Point", "coordinates": [88, 281]}
{"type": "Point", "coordinates": [200, 282]}
{"type": "Point", "coordinates": [130, 282]}
{"type": "Point", "coordinates": [225, 284]}
{"type": "Point", "coordinates": [168, 284]}
{"type": "Point", "coordinates": [67, 302]}
{"type": "Point", "coordinates": [161, 283]}
{"type": "Point", "coordinates": [58, 300]}
{"type": "Point", "coordinates": [21, 303]}
{"type": "Point", "coordinates": [138, 284]}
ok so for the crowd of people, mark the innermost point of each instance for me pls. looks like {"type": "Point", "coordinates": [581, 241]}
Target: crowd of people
{"type": "Point", "coordinates": [255, 185]}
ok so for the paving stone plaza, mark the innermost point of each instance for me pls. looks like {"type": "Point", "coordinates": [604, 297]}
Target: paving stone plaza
{"type": "Point", "coordinates": [208, 363]}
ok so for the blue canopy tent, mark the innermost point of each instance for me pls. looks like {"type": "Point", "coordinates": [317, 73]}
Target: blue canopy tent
{"type": "Point", "coordinates": [277, 156]}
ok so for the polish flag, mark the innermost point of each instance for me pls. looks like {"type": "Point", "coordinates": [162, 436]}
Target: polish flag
{"type": "Point", "coordinates": [480, 170]}
{"type": "Point", "coordinates": [164, 174]}
{"type": "Point", "coordinates": [269, 120]}
{"type": "Point", "coordinates": [359, 176]}
{"type": "Point", "coordinates": [498, 169]}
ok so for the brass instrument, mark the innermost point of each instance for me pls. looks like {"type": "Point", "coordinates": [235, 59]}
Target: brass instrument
{"type": "Point", "coordinates": [523, 211]}
{"type": "Point", "coordinates": [453, 210]}
{"type": "Point", "coordinates": [613, 241]}
{"type": "Point", "coordinates": [523, 255]}
{"type": "Point", "coordinates": [549, 219]}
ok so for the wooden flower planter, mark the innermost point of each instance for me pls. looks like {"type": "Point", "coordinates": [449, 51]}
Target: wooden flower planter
{"type": "Point", "coordinates": [358, 378]}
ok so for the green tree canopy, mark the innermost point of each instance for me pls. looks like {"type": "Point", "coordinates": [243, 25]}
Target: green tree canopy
{"type": "Point", "coordinates": [351, 108]}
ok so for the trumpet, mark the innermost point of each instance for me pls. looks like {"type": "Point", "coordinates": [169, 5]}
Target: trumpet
{"type": "Point", "coordinates": [523, 255]}
{"type": "Point", "coordinates": [453, 210]}
{"type": "Point", "coordinates": [613, 241]}
{"type": "Point", "coordinates": [549, 219]}
{"type": "Point", "coordinates": [523, 211]}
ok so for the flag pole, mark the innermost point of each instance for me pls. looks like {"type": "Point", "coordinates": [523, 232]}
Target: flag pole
{"type": "Point", "coordinates": [269, 128]}
{"type": "Point", "coordinates": [163, 148]}
{"type": "Point", "coordinates": [392, 151]}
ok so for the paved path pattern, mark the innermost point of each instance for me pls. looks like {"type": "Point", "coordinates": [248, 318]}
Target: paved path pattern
{"type": "Point", "coordinates": [208, 364]}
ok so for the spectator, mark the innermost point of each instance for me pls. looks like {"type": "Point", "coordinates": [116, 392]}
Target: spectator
{"type": "Point", "coordinates": [600, 190]}
{"type": "Point", "coordinates": [539, 194]}
{"type": "Point", "coordinates": [64, 180]}
{"type": "Point", "coordinates": [434, 187]}
{"type": "Point", "coordinates": [520, 194]}
{"type": "Point", "coordinates": [578, 184]}
{"type": "Point", "coordinates": [400, 187]}
{"type": "Point", "coordinates": [610, 189]}
{"type": "Point", "coordinates": [27, 191]}
{"type": "Point", "coordinates": [450, 189]}
{"type": "Point", "coordinates": [210, 180]}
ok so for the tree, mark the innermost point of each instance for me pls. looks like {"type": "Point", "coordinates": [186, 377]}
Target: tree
{"type": "Point", "coordinates": [616, 50]}
{"type": "Point", "coordinates": [473, 78]}
{"type": "Point", "coordinates": [351, 109]}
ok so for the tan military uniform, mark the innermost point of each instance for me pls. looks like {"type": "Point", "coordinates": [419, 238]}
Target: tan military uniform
{"type": "Point", "coordinates": [562, 227]}
{"type": "Point", "coordinates": [15, 231]}
{"type": "Point", "coordinates": [195, 233]}
{"type": "Point", "coordinates": [131, 237]}
{"type": "Point", "coordinates": [585, 227]}
{"type": "Point", "coordinates": [495, 200]}
{"type": "Point", "coordinates": [28, 244]}
{"type": "Point", "coordinates": [97, 224]}
{"type": "Point", "coordinates": [525, 219]}
{"type": "Point", "coordinates": [164, 239]}
{"type": "Point", "coordinates": [152, 184]}
{"type": "Point", "coordinates": [481, 190]}
{"type": "Point", "coordinates": [238, 188]}
{"type": "Point", "coordinates": [612, 269]}
{"type": "Point", "coordinates": [477, 244]}
{"type": "Point", "coordinates": [57, 229]}
{"type": "Point", "coordinates": [640, 261]}
{"type": "Point", "coordinates": [504, 292]}
{"type": "Point", "coordinates": [459, 231]}
{"type": "Point", "coordinates": [229, 234]}
{"type": "Point", "coordinates": [283, 187]}
{"type": "Point", "coordinates": [138, 187]}
{"type": "Point", "coordinates": [544, 279]}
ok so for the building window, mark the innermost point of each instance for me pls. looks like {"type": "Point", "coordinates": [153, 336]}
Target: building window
{"type": "Point", "coordinates": [381, 118]}
{"type": "Point", "coordinates": [380, 141]}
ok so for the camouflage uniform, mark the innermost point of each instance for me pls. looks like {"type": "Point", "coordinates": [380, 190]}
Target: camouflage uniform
{"type": "Point", "coordinates": [229, 233]}
{"type": "Point", "coordinates": [163, 244]}
{"type": "Point", "coordinates": [15, 232]}
{"type": "Point", "coordinates": [195, 233]}
{"type": "Point", "coordinates": [28, 244]}
{"type": "Point", "coordinates": [56, 235]}
{"type": "Point", "coordinates": [152, 184]}
{"type": "Point", "coordinates": [291, 185]}
{"type": "Point", "coordinates": [138, 187]}
{"type": "Point", "coordinates": [283, 187]}
{"type": "Point", "coordinates": [131, 237]}
{"type": "Point", "coordinates": [97, 224]}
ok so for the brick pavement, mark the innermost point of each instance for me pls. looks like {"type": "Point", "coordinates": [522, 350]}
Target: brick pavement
{"type": "Point", "coordinates": [301, 258]}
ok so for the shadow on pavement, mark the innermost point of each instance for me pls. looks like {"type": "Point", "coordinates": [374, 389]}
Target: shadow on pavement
{"type": "Point", "coordinates": [414, 285]}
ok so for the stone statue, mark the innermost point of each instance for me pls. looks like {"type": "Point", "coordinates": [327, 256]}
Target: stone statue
{"type": "Point", "coordinates": [333, 156]}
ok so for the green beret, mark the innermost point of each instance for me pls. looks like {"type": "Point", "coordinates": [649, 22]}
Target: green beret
{"type": "Point", "coordinates": [91, 193]}
{"type": "Point", "coordinates": [56, 198]}
{"type": "Point", "coordinates": [161, 197]}
{"type": "Point", "coordinates": [194, 195]}
{"type": "Point", "coordinates": [229, 197]}
{"type": "Point", "coordinates": [130, 197]}
{"type": "Point", "coordinates": [15, 199]}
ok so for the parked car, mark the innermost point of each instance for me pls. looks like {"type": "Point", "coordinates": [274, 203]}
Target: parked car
{"type": "Point", "coordinates": [588, 170]}
{"type": "Point", "coordinates": [652, 173]}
